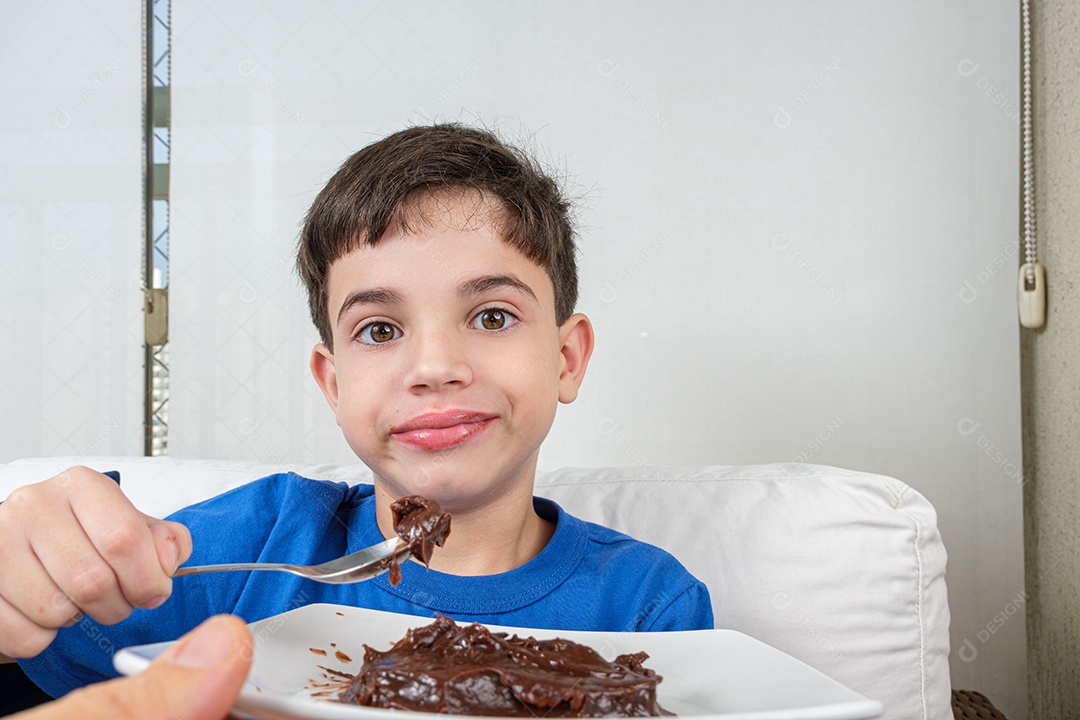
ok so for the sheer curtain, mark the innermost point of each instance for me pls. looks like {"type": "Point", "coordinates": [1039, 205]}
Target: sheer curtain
{"type": "Point", "coordinates": [799, 227]}
{"type": "Point", "coordinates": [70, 228]}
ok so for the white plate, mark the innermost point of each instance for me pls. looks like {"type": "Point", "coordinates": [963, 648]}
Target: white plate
{"type": "Point", "coordinates": [707, 674]}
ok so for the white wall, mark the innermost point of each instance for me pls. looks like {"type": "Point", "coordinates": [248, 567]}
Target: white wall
{"type": "Point", "coordinates": [798, 234]}
{"type": "Point", "coordinates": [70, 228]}
{"type": "Point", "coordinates": [1052, 375]}
{"type": "Point", "coordinates": [798, 228]}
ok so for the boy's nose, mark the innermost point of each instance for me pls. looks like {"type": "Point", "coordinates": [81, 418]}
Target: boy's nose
{"type": "Point", "coordinates": [438, 360]}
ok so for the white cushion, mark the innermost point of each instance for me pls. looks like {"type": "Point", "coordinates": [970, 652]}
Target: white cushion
{"type": "Point", "coordinates": [841, 569]}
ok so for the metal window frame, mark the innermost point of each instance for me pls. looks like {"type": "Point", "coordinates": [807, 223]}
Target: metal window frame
{"type": "Point", "coordinates": [156, 116]}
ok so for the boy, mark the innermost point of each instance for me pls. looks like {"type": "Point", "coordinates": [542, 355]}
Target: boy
{"type": "Point", "coordinates": [440, 271]}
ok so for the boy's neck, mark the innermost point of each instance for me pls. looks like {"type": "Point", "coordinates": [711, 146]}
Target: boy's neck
{"type": "Point", "coordinates": [493, 538]}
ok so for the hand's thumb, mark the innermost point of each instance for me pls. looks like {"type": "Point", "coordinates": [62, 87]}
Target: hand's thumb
{"type": "Point", "coordinates": [198, 678]}
{"type": "Point", "coordinates": [172, 541]}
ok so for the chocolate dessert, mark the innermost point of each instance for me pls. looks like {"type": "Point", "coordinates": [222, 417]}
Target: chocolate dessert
{"type": "Point", "coordinates": [470, 670]}
{"type": "Point", "coordinates": [422, 524]}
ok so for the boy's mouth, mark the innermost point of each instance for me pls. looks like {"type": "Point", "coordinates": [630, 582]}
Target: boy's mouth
{"type": "Point", "coordinates": [442, 430]}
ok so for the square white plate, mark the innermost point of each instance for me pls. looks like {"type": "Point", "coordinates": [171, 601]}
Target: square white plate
{"type": "Point", "coordinates": [707, 674]}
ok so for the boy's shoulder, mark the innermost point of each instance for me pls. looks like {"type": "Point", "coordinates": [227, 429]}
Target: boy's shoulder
{"type": "Point", "coordinates": [609, 540]}
{"type": "Point", "coordinates": [654, 590]}
{"type": "Point", "coordinates": [281, 504]}
{"type": "Point", "coordinates": [269, 492]}
{"type": "Point", "coordinates": [608, 552]}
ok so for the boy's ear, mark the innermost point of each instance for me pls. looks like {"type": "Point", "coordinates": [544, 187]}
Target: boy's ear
{"type": "Point", "coordinates": [576, 335]}
{"type": "Point", "coordinates": [322, 367]}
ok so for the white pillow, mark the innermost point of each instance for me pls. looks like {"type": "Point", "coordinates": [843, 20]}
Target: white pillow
{"type": "Point", "coordinates": [843, 570]}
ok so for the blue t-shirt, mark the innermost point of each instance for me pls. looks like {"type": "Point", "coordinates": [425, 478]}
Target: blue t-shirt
{"type": "Point", "coordinates": [587, 577]}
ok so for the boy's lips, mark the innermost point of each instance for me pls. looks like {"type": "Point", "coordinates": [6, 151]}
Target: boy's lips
{"type": "Point", "coordinates": [442, 430]}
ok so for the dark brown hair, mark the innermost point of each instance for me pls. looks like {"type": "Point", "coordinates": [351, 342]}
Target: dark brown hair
{"type": "Point", "coordinates": [383, 185]}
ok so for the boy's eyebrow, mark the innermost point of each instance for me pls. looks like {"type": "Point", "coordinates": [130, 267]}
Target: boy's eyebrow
{"type": "Point", "coordinates": [484, 283]}
{"type": "Point", "coordinates": [377, 296]}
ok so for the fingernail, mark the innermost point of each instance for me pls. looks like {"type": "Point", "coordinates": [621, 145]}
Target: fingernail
{"type": "Point", "coordinates": [209, 645]}
{"type": "Point", "coordinates": [156, 602]}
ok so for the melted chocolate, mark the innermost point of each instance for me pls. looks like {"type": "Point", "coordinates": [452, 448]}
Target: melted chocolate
{"type": "Point", "coordinates": [469, 670]}
{"type": "Point", "coordinates": [422, 524]}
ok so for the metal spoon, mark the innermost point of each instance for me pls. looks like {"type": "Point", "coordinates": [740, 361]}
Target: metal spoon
{"type": "Point", "coordinates": [355, 567]}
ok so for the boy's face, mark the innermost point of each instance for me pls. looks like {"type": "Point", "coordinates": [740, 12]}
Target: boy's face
{"type": "Point", "coordinates": [448, 363]}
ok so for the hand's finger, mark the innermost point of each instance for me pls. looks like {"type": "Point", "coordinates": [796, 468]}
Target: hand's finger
{"type": "Point", "coordinates": [198, 678]}
{"type": "Point", "coordinates": [122, 537]}
{"type": "Point", "coordinates": [29, 590]}
{"type": "Point", "coordinates": [19, 636]}
{"type": "Point", "coordinates": [173, 543]}
{"type": "Point", "coordinates": [73, 563]}
{"type": "Point", "coordinates": [98, 548]}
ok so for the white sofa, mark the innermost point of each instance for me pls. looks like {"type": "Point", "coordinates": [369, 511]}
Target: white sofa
{"type": "Point", "coordinates": [843, 570]}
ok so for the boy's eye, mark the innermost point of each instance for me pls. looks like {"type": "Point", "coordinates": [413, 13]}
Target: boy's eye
{"type": "Point", "coordinates": [377, 333]}
{"type": "Point", "coordinates": [494, 319]}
